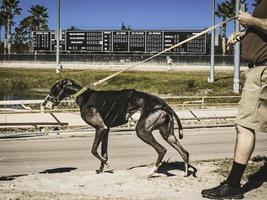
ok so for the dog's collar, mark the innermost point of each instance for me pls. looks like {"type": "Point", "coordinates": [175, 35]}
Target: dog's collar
{"type": "Point", "coordinates": [74, 96]}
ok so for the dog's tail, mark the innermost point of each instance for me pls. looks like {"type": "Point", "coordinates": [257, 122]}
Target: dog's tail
{"type": "Point", "coordinates": [180, 127]}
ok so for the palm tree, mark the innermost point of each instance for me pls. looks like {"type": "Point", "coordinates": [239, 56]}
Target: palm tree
{"type": "Point", "coordinates": [255, 3]}
{"type": "Point", "coordinates": [1, 24]}
{"type": "Point", "coordinates": [22, 36]}
{"type": "Point", "coordinates": [9, 8]}
{"type": "Point", "coordinates": [123, 26]}
{"type": "Point", "coordinates": [36, 21]}
{"type": "Point", "coordinates": [225, 10]}
{"type": "Point", "coordinates": [38, 18]}
{"type": "Point", "coordinates": [73, 28]}
{"type": "Point", "coordinates": [4, 24]}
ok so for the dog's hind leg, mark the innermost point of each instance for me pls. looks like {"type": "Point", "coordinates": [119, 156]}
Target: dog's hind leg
{"type": "Point", "coordinates": [148, 138]}
{"type": "Point", "coordinates": [185, 155]}
{"type": "Point", "coordinates": [144, 130]}
{"type": "Point", "coordinates": [167, 132]}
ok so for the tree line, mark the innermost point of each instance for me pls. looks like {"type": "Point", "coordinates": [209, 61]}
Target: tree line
{"type": "Point", "coordinates": [19, 40]}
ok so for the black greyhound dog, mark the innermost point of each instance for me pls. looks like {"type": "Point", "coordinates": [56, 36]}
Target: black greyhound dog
{"type": "Point", "coordinates": [105, 109]}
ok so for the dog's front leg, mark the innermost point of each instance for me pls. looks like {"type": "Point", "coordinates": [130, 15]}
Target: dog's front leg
{"type": "Point", "coordinates": [104, 152]}
{"type": "Point", "coordinates": [99, 135]}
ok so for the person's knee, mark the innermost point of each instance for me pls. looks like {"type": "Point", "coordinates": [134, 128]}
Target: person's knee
{"type": "Point", "coordinates": [243, 130]}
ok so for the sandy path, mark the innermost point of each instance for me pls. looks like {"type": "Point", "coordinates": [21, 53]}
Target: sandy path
{"type": "Point", "coordinates": [133, 183]}
{"type": "Point", "coordinates": [59, 168]}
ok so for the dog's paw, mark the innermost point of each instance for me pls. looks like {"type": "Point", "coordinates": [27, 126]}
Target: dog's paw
{"type": "Point", "coordinates": [99, 171]}
{"type": "Point", "coordinates": [186, 174]}
{"type": "Point", "coordinates": [152, 171]}
{"type": "Point", "coordinates": [107, 164]}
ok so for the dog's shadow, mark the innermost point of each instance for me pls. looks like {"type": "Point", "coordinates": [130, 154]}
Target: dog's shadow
{"type": "Point", "coordinates": [58, 170]}
{"type": "Point", "coordinates": [11, 177]}
{"type": "Point", "coordinates": [47, 171]}
{"type": "Point", "coordinates": [166, 167]}
{"type": "Point", "coordinates": [258, 178]}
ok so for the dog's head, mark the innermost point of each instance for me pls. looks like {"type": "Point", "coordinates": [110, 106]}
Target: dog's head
{"type": "Point", "coordinates": [58, 92]}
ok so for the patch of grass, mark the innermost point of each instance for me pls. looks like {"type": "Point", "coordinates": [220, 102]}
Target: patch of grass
{"type": "Point", "coordinates": [256, 163]}
{"type": "Point", "coordinates": [172, 83]}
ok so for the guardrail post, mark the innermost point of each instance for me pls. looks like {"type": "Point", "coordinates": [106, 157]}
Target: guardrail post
{"type": "Point", "coordinates": [42, 108]}
{"type": "Point", "coordinates": [203, 103]}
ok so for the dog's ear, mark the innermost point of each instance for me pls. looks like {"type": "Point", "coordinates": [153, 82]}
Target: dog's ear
{"type": "Point", "coordinates": [67, 82]}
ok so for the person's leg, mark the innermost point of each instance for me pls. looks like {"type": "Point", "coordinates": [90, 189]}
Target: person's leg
{"type": "Point", "coordinates": [244, 146]}
{"type": "Point", "coordinates": [251, 114]}
{"type": "Point", "coordinates": [245, 143]}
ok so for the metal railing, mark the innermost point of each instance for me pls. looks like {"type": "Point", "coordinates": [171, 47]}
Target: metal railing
{"type": "Point", "coordinates": [9, 109]}
{"type": "Point", "coordinates": [203, 101]}
{"type": "Point", "coordinates": [6, 106]}
{"type": "Point", "coordinates": [200, 101]}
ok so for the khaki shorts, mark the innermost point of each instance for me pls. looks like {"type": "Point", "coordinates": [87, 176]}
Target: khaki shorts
{"type": "Point", "coordinates": [252, 111]}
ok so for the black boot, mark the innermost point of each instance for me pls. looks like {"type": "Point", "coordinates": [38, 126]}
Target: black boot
{"type": "Point", "coordinates": [223, 191]}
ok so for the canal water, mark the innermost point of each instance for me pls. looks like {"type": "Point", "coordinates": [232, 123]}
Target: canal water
{"type": "Point", "coordinates": [22, 96]}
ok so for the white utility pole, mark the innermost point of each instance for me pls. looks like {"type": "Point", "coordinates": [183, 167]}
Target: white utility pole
{"type": "Point", "coordinates": [236, 86]}
{"type": "Point", "coordinates": [58, 67]}
{"type": "Point", "coordinates": [211, 78]}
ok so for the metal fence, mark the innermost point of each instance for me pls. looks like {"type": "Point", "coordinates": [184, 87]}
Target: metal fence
{"type": "Point", "coordinates": [31, 113]}
{"type": "Point", "coordinates": [182, 102]}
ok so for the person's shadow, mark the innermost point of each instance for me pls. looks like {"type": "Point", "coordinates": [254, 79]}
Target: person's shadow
{"type": "Point", "coordinates": [258, 178]}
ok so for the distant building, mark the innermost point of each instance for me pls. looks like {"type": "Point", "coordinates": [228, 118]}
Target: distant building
{"type": "Point", "coordinates": [131, 41]}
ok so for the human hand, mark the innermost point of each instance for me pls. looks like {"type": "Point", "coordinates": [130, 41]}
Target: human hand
{"type": "Point", "coordinates": [233, 39]}
{"type": "Point", "coordinates": [245, 19]}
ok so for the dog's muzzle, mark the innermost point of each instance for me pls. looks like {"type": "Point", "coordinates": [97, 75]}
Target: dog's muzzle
{"type": "Point", "coordinates": [47, 98]}
{"type": "Point", "coordinates": [47, 102]}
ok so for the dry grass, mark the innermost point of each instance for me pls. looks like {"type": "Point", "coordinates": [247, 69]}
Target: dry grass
{"type": "Point", "coordinates": [16, 81]}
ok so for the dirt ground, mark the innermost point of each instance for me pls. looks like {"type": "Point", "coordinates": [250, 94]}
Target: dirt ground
{"type": "Point", "coordinates": [169, 183]}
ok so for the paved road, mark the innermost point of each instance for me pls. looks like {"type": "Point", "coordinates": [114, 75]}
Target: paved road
{"type": "Point", "coordinates": [35, 155]}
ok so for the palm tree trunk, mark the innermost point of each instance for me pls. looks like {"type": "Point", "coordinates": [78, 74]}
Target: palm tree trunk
{"type": "Point", "coordinates": [9, 36]}
{"type": "Point", "coordinates": [30, 43]}
{"type": "Point", "coordinates": [223, 45]}
{"type": "Point", "coordinates": [0, 34]}
{"type": "Point", "coordinates": [224, 40]}
{"type": "Point", "coordinates": [5, 40]}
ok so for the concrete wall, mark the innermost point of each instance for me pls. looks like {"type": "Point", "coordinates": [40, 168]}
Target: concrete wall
{"type": "Point", "coordinates": [202, 60]}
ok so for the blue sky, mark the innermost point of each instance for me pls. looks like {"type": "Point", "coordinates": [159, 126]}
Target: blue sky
{"type": "Point", "coordinates": [139, 14]}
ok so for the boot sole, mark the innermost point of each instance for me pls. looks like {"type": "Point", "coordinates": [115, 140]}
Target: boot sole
{"type": "Point", "coordinates": [238, 196]}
